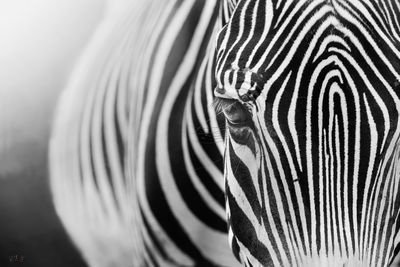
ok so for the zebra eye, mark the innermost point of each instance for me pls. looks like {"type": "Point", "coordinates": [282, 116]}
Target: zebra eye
{"type": "Point", "coordinates": [236, 114]}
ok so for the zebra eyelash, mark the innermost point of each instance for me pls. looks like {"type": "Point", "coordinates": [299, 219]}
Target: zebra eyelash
{"type": "Point", "coordinates": [220, 104]}
{"type": "Point", "coordinates": [217, 105]}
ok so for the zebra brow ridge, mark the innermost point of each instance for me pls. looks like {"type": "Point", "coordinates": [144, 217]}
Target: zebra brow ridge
{"type": "Point", "coordinates": [242, 84]}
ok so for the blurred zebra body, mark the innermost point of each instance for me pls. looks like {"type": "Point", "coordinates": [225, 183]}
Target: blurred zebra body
{"type": "Point", "coordinates": [137, 153]}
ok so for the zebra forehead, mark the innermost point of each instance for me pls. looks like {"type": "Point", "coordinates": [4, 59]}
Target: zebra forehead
{"type": "Point", "coordinates": [261, 41]}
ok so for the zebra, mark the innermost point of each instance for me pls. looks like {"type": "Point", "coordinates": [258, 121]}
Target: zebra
{"type": "Point", "coordinates": [312, 146]}
{"type": "Point", "coordinates": [107, 151]}
{"type": "Point", "coordinates": [295, 166]}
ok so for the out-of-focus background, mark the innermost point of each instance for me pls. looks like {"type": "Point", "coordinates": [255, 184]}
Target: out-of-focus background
{"type": "Point", "coordinates": [39, 43]}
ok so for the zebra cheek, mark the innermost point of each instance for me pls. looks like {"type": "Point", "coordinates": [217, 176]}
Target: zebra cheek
{"type": "Point", "coordinates": [242, 197]}
{"type": "Point", "coordinates": [242, 174]}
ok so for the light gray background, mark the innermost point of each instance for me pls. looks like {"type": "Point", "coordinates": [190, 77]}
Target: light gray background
{"type": "Point", "coordinates": [39, 43]}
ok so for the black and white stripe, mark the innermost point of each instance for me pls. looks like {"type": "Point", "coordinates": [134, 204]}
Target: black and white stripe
{"type": "Point", "coordinates": [151, 75]}
{"type": "Point", "coordinates": [308, 143]}
{"type": "Point", "coordinates": [312, 172]}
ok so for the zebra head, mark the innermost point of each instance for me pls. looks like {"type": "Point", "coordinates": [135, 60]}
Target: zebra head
{"type": "Point", "coordinates": [310, 93]}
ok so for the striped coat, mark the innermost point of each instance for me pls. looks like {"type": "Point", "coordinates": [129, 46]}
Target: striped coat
{"type": "Point", "coordinates": [297, 167]}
